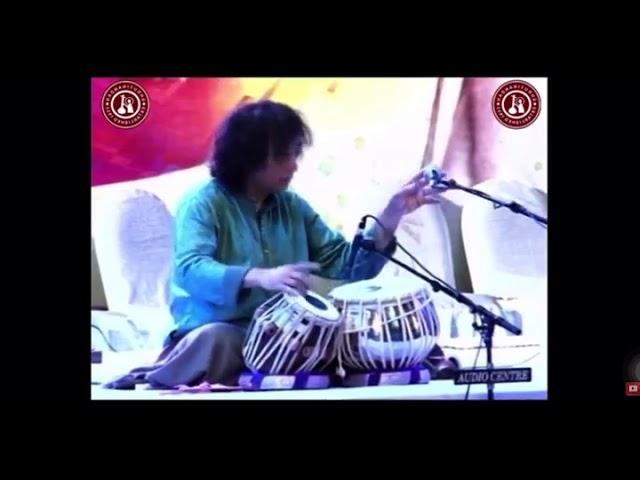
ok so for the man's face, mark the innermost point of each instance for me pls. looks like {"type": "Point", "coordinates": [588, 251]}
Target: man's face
{"type": "Point", "coordinates": [279, 170]}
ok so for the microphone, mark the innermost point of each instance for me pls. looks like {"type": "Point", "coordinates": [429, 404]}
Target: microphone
{"type": "Point", "coordinates": [434, 175]}
{"type": "Point", "coordinates": [436, 179]}
{"type": "Point", "coordinates": [355, 245]}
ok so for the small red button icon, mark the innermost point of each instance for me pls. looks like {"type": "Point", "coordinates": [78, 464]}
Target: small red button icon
{"type": "Point", "coordinates": [632, 388]}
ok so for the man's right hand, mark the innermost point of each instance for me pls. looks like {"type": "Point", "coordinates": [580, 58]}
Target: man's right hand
{"type": "Point", "coordinates": [293, 278]}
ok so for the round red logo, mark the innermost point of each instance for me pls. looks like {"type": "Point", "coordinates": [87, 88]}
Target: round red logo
{"type": "Point", "coordinates": [125, 104]}
{"type": "Point", "coordinates": [516, 104]}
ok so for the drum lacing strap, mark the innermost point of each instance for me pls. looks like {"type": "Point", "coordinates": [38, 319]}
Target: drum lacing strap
{"type": "Point", "coordinates": [339, 339]}
{"type": "Point", "coordinates": [406, 335]}
{"type": "Point", "coordinates": [300, 380]}
{"type": "Point", "coordinates": [427, 311]}
{"type": "Point", "coordinates": [340, 371]}
{"type": "Point", "coordinates": [375, 377]}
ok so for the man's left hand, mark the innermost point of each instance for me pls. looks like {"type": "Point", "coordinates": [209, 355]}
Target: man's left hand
{"type": "Point", "coordinates": [411, 196]}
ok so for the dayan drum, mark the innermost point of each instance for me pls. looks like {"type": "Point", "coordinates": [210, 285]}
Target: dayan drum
{"type": "Point", "coordinates": [292, 334]}
{"type": "Point", "coordinates": [388, 324]}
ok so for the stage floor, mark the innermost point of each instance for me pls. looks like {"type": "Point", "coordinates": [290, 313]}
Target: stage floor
{"type": "Point", "coordinates": [435, 390]}
{"type": "Point", "coordinates": [118, 363]}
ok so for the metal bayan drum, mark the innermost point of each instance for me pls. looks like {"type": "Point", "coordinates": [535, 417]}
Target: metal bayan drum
{"type": "Point", "coordinates": [387, 324]}
{"type": "Point", "coordinates": [292, 334]}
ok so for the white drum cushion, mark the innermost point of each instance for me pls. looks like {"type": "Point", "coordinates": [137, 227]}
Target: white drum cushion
{"type": "Point", "coordinates": [133, 233]}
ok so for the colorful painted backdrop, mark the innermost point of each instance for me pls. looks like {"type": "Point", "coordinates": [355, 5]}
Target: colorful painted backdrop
{"type": "Point", "coordinates": [370, 133]}
{"type": "Point", "coordinates": [370, 137]}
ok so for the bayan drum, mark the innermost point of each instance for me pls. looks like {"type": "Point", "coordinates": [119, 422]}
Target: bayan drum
{"type": "Point", "coordinates": [388, 325]}
{"type": "Point", "coordinates": [291, 334]}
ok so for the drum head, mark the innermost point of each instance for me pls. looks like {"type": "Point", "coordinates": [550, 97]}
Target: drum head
{"type": "Point", "coordinates": [315, 305]}
{"type": "Point", "coordinates": [374, 290]}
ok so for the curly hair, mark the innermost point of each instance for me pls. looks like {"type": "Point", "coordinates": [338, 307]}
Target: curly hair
{"type": "Point", "coordinates": [245, 138]}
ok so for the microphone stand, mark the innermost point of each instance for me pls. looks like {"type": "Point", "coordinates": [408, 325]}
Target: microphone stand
{"type": "Point", "coordinates": [513, 206]}
{"type": "Point", "coordinates": [488, 319]}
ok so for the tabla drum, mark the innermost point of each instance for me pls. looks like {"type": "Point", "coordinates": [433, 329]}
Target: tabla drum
{"type": "Point", "coordinates": [388, 324]}
{"type": "Point", "coordinates": [292, 334]}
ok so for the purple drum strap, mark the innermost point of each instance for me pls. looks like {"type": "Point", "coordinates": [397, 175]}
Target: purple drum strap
{"type": "Point", "coordinates": [415, 375]}
{"type": "Point", "coordinates": [300, 380]}
{"type": "Point", "coordinates": [374, 379]}
{"type": "Point", "coordinates": [256, 379]}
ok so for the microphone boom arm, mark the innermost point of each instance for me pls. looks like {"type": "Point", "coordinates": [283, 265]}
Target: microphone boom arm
{"type": "Point", "coordinates": [513, 206]}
